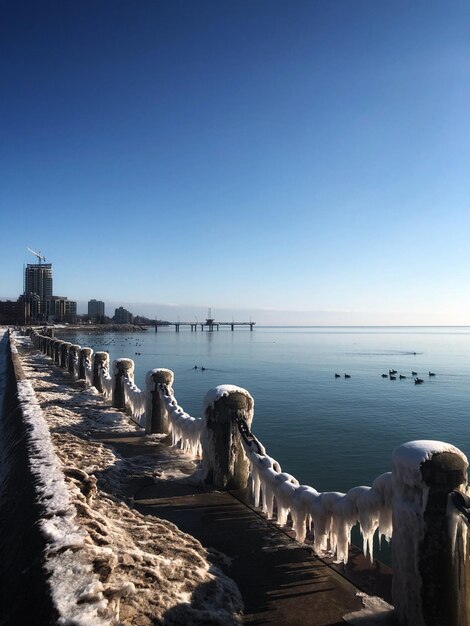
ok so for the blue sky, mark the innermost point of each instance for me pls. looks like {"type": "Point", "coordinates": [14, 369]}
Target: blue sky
{"type": "Point", "coordinates": [288, 156]}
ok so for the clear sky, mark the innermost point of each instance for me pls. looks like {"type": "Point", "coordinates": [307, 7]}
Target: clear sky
{"type": "Point", "coordinates": [296, 156]}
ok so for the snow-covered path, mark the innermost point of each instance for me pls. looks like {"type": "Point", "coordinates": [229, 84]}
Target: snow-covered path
{"type": "Point", "coordinates": [145, 565]}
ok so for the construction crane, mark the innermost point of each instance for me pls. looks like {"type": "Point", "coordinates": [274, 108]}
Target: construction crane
{"type": "Point", "coordinates": [38, 255]}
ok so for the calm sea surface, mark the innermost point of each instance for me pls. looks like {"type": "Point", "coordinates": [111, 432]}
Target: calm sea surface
{"type": "Point", "coordinates": [332, 434]}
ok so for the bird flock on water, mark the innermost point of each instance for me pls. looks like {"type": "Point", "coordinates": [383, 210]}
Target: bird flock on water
{"type": "Point", "coordinates": [392, 375]}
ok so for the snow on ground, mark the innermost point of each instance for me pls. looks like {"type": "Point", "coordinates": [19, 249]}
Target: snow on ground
{"type": "Point", "coordinates": [149, 571]}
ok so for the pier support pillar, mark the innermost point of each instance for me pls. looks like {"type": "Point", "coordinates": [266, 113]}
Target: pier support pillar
{"type": "Point", "coordinates": [426, 590]}
{"type": "Point", "coordinates": [100, 361]}
{"type": "Point", "coordinates": [156, 416]}
{"type": "Point", "coordinates": [122, 368]}
{"type": "Point", "coordinates": [224, 460]}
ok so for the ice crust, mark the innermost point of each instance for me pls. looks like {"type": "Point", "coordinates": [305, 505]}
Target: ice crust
{"type": "Point", "coordinates": [106, 382]}
{"type": "Point", "coordinates": [410, 495]}
{"type": "Point", "coordinates": [134, 399]}
{"type": "Point", "coordinates": [185, 430]}
{"type": "Point", "coordinates": [224, 390]}
{"type": "Point", "coordinates": [330, 515]}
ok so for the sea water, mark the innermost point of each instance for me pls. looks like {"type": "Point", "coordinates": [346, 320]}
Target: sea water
{"type": "Point", "coordinates": [330, 433]}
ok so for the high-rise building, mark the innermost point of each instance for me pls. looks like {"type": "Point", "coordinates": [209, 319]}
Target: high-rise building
{"type": "Point", "coordinates": [123, 316]}
{"type": "Point", "coordinates": [95, 310]}
{"type": "Point", "coordinates": [38, 280]}
{"type": "Point", "coordinates": [61, 309]}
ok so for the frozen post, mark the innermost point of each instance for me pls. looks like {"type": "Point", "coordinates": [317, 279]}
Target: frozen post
{"type": "Point", "coordinates": [122, 368]}
{"type": "Point", "coordinates": [100, 361]}
{"type": "Point", "coordinates": [156, 417]}
{"type": "Point", "coordinates": [223, 456]}
{"type": "Point", "coordinates": [83, 358]}
{"type": "Point", "coordinates": [58, 352]}
{"type": "Point", "coordinates": [425, 591]}
{"type": "Point", "coordinates": [74, 349]}
{"type": "Point", "coordinates": [64, 352]}
{"type": "Point", "coordinates": [55, 351]}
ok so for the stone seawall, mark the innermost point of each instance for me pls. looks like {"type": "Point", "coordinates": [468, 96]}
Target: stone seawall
{"type": "Point", "coordinates": [25, 596]}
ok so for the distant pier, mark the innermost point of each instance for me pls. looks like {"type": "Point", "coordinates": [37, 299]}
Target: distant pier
{"type": "Point", "coordinates": [210, 324]}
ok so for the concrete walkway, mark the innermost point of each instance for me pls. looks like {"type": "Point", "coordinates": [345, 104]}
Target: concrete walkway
{"type": "Point", "coordinates": [281, 581]}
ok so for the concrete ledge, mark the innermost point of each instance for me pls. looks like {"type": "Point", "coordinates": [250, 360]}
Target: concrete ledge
{"type": "Point", "coordinates": [25, 596]}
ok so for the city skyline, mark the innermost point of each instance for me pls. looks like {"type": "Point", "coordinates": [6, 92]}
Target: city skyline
{"type": "Point", "coordinates": [301, 162]}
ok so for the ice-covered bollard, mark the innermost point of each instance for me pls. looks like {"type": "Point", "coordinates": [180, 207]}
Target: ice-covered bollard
{"type": "Point", "coordinates": [122, 368]}
{"type": "Point", "coordinates": [74, 350]}
{"type": "Point", "coordinates": [55, 349]}
{"type": "Point", "coordinates": [223, 456]}
{"type": "Point", "coordinates": [156, 416]}
{"type": "Point", "coordinates": [84, 357]}
{"type": "Point", "coordinates": [42, 343]}
{"type": "Point", "coordinates": [49, 346]}
{"type": "Point", "coordinates": [424, 590]}
{"type": "Point", "coordinates": [100, 361]}
{"type": "Point", "coordinates": [64, 353]}
{"type": "Point", "coordinates": [59, 352]}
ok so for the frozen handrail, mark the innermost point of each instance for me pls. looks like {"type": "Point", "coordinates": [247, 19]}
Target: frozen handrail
{"type": "Point", "coordinates": [106, 382]}
{"type": "Point", "coordinates": [331, 514]}
{"type": "Point", "coordinates": [89, 371]}
{"type": "Point", "coordinates": [134, 400]}
{"type": "Point", "coordinates": [76, 365]}
{"type": "Point", "coordinates": [185, 429]}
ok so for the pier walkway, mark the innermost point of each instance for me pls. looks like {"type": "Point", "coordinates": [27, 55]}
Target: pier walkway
{"type": "Point", "coordinates": [281, 582]}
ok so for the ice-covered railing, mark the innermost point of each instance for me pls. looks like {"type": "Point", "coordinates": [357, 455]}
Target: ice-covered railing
{"type": "Point", "coordinates": [75, 364]}
{"type": "Point", "coordinates": [329, 515]}
{"type": "Point", "coordinates": [134, 400]}
{"type": "Point", "coordinates": [115, 383]}
{"type": "Point", "coordinates": [185, 430]}
{"type": "Point", "coordinates": [88, 367]}
{"type": "Point", "coordinates": [106, 382]}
